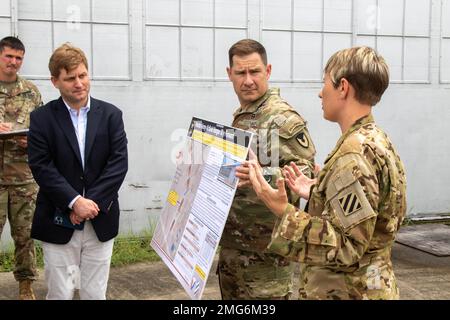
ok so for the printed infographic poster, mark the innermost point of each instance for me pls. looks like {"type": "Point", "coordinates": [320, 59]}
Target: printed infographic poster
{"type": "Point", "coordinates": [194, 215]}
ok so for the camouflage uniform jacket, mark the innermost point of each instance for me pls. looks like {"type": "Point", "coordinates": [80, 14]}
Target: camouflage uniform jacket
{"type": "Point", "coordinates": [250, 222]}
{"type": "Point", "coordinates": [353, 214]}
{"type": "Point", "coordinates": [15, 107]}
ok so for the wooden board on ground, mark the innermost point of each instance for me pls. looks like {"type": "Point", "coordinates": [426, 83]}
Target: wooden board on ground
{"type": "Point", "coordinates": [431, 238]}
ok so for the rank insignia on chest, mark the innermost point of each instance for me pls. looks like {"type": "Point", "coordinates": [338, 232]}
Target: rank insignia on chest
{"type": "Point", "coordinates": [303, 140]}
{"type": "Point", "coordinates": [248, 124]}
{"type": "Point", "coordinates": [350, 204]}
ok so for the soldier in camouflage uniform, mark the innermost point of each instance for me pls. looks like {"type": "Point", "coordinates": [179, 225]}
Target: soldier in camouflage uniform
{"type": "Point", "coordinates": [246, 270]}
{"type": "Point", "coordinates": [345, 235]}
{"type": "Point", "coordinates": [18, 97]}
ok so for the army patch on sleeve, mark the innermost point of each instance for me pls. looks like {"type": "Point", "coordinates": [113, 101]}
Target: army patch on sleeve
{"type": "Point", "coordinates": [303, 140]}
{"type": "Point", "coordinates": [350, 204]}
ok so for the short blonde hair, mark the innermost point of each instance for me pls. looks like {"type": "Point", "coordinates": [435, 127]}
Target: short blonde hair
{"type": "Point", "coordinates": [66, 57]}
{"type": "Point", "coordinates": [364, 69]}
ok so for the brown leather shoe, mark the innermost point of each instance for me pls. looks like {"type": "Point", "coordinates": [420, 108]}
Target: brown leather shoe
{"type": "Point", "coordinates": [25, 290]}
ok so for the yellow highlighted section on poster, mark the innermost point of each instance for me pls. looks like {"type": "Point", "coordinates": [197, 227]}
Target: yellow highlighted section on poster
{"type": "Point", "coordinates": [172, 198]}
{"type": "Point", "coordinates": [200, 272]}
{"type": "Point", "coordinates": [222, 144]}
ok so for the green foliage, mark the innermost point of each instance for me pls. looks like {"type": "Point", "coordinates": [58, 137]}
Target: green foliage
{"type": "Point", "coordinates": [7, 258]}
{"type": "Point", "coordinates": [132, 250]}
{"type": "Point", "coordinates": [127, 250]}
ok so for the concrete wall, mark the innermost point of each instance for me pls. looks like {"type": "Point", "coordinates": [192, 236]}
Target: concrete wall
{"type": "Point", "coordinates": [414, 111]}
{"type": "Point", "coordinates": [416, 118]}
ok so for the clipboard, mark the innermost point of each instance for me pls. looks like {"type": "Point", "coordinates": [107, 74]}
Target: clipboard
{"type": "Point", "coordinates": [13, 133]}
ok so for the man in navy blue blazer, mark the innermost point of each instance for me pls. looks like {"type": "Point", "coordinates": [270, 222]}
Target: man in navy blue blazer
{"type": "Point", "coordinates": [77, 150]}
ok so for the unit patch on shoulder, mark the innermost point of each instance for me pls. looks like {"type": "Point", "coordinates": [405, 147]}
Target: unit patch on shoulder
{"type": "Point", "coordinates": [350, 204]}
{"type": "Point", "coordinates": [303, 140]}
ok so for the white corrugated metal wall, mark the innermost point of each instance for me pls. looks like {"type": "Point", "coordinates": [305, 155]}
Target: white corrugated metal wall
{"type": "Point", "coordinates": [163, 61]}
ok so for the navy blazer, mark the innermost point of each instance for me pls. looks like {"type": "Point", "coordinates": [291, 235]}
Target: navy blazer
{"type": "Point", "coordinates": [55, 161]}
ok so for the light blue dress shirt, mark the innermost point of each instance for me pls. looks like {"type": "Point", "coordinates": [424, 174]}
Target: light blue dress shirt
{"type": "Point", "coordinates": [79, 121]}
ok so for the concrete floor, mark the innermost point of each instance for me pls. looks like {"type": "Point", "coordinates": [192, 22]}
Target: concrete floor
{"type": "Point", "coordinates": [421, 276]}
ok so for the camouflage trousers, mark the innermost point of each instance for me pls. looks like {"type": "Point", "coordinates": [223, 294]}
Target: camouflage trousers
{"type": "Point", "coordinates": [17, 204]}
{"type": "Point", "coordinates": [247, 275]}
{"type": "Point", "coordinates": [373, 281]}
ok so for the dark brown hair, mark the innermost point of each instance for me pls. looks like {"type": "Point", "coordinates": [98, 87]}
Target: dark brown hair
{"type": "Point", "coordinates": [13, 43]}
{"type": "Point", "coordinates": [245, 47]}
